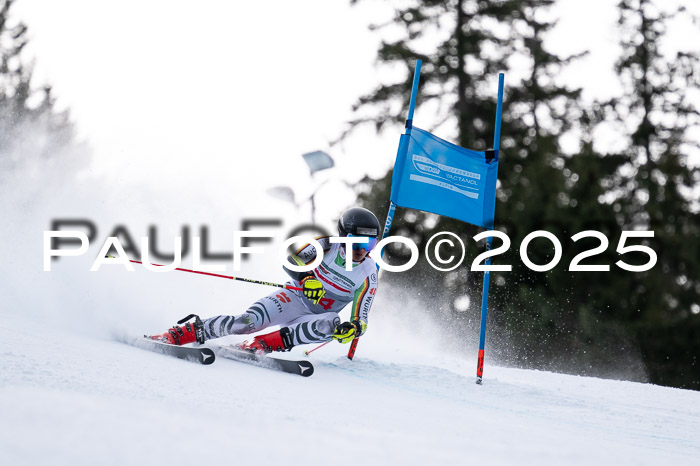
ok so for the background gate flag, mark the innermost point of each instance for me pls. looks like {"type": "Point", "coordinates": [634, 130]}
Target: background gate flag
{"type": "Point", "coordinates": [436, 176]}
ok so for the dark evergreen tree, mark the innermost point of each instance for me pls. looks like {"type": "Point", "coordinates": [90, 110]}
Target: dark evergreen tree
{"type": "Point", "coordinates": [30, 126]}
{"type": "Point", "coordinates": [656, 188]}
{"type": "Point", "coordinates": [458, 84]}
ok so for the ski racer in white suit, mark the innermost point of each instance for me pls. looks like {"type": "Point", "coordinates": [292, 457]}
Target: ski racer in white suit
{"type": "Point", "coordinates": [311, 315]}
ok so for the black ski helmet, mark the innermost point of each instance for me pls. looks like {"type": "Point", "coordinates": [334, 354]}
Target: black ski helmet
{"type": "Point", "coordinates": [358, 221]}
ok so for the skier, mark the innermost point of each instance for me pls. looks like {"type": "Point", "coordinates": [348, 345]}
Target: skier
{"type": "Point", "coordinates": [310, 315]}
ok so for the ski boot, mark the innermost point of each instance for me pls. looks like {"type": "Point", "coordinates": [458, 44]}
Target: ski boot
{"type": "Point", "coordinates": [280, 340]}
{"type": "Point", "coordinates": [190, 333]}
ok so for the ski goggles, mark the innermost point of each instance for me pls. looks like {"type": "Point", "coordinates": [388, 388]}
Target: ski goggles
{"type": "Point", "coordinates": [367, 245]}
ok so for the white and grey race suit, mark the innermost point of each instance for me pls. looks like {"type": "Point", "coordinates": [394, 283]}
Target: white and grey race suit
{"type": "Point", "coordinates": [308, 322]}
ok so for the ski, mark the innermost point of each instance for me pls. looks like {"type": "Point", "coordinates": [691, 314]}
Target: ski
{"type": "Point", "coordinates": [199, 354]}
{"type": "Point", "coordinates": [299, 367]}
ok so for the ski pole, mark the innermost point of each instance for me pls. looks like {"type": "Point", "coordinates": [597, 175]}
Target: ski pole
{"type": "Point", "coordinates": [242, 279]}
{"type": "Point", "coordinates": [353, 347]}
{"type": "Point", "coordinates": [306, 353]}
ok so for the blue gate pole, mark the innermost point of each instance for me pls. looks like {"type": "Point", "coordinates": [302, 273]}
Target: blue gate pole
{"type": "Point", "coordinates": [409, 125]}
{"type": "Point", "coordinates": [489, 241]}
{"type": "Point", "coordinates": [392, 206]}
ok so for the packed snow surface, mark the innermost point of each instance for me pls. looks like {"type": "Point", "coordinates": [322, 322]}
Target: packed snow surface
{"type": "Point", "coordinates": [71, 398]}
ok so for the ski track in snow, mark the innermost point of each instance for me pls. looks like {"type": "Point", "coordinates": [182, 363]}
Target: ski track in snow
{"type": "Point", "coordinates": [71, 399]}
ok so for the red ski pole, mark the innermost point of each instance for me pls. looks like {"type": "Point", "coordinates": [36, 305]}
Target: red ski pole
{"type": "Point", "coordinates": [306, 353]}
{"type": "Point", "coordinates": [242, 279]}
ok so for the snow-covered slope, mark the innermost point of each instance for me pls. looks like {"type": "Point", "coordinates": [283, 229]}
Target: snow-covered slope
{"type": "Point", "coordinates": [71, 394]}
{"type": "Point", "coordinates": [67, 398]}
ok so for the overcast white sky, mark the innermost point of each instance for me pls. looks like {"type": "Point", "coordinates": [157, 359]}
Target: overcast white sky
{"type": "Point", "coordinates": [226, 96]}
